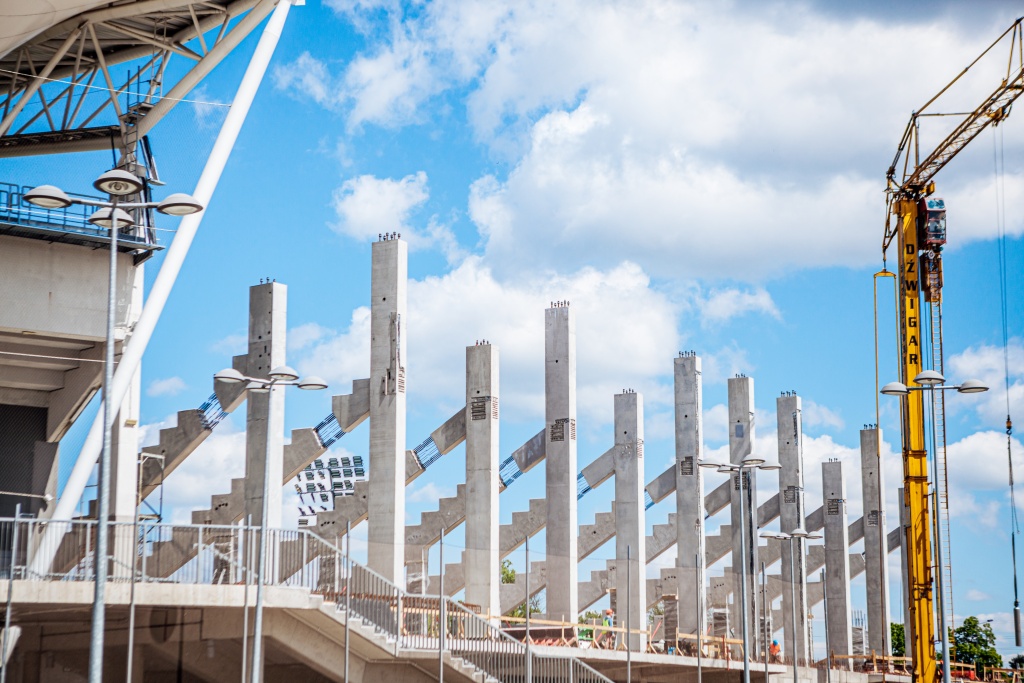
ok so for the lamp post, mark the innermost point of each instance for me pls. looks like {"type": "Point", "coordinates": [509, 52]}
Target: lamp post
{"type": "Point", "coordinates": [279, 376]}
{"type": "Point", "coordinates": [930, 380]}
{"type": "Point", "coordinates": [795, 539]}
{"type": "Point", "coordinates": [117, 184]}
{"type": "Point", "coordinates": [749, 463]}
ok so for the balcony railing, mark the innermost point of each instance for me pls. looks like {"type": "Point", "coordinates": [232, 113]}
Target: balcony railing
{"type": "Point", "coordinates": [210, 554]}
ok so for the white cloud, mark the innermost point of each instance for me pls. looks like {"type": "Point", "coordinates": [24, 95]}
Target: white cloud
{"type": "Point", "coordinates": [641, 146]}
{"type": "Point", "coordinates": [626, 332]}
{"type": "Point", "coordinates": [303, 336]}
{"type": "Point", "coordinates": [986, 362]}
{"type": "Point", "coordinates": [171, 386]}
{"type": "Point", "coordinates": [427, 493]}
{"type": "Point", "coordinates": [308, 77]}
{"type": "Point", "coordinates": [975, 595]}
{"type": "Point", "coordinates": [368, 206]}
{"type": "Point", "coordinates": [207, 109]}
{"type": "Point", "coordinates": [724, 304]}
{"type": "Point", "coordinates": [817, 415]}
{"type": "Point", "coordinates": [342, 357]}
{"type": "Point", "coordinates": [232, 344]}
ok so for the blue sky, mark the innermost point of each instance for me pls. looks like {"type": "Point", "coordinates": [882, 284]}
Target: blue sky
{"type": "Point", "coordinates": [690, 176]}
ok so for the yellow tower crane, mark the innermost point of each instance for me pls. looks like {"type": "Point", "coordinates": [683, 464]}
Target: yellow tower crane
{"type": "Point", "coordinates": [916, 220]}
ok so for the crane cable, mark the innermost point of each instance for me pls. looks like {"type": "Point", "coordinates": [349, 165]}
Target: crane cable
{"type": "Point", "coordinates": [998, 160]}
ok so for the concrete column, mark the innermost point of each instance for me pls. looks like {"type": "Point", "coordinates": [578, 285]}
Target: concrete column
{"type": "Point", "coordinates": [837, 560]}
{"type": "Point", "coordinates": [791, 514]}
{"type": "Point", "coordinates": [124, 478]}
{"type": "Point", "coordinates": [630, 529]}
{"type": "Point", "coordinates": [876, 566]}
{"type": "Point", "coordinates": [741, 440]}
{"type": "Point", "coordinates": [482, 559]}
{"type": "Point", "coordinates": [264, 411]}
{"type": "Point", "coordinates": [690, 495]}
{"type": "Point", "coordinates": [386, 498]}
{"type": "Point", "coordinates": [560, 464]}
{"type": "Point", "coordinates": [904, 559]}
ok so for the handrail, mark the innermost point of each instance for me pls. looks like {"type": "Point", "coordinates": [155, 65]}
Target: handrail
{"type": "Point", "coordinates": [216, 554]}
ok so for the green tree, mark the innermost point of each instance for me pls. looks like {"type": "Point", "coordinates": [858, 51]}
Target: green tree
{"type": "Point", "coordinates": [899, 643]}
{"type": "Point", "coordinates": [508, 575]}
{"type": "Point", "coordinates": [1017, 662]}
{"type": "Point", "coordinates": [975, 643]}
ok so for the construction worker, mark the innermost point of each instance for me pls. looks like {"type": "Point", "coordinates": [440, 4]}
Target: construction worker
{"type": "Point", "coordinates": [774, 651]}
{"type": "Point", "coordinates": [607, 638]}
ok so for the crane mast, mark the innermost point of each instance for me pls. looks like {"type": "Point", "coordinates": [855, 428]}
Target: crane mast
{"type": "Point", "coordinates": [919, 230]}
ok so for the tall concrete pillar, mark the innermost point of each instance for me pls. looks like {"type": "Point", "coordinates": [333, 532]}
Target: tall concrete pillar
{"type": "Point", "coordinates": [386, 497]}
{"type": "Point", "coordinates": [741, 441]}
{"type": "Point", "coordinates": [264, 419]}
{"type": "Point", "coordinates": [482, 559]}
{"type": "Point", "coordinates": [791, 514]}
{"type": "Point", "coordinates": [837, 560]}
{"type": "Point", "coordinates": [630, 529]}
{"type": "Point", "coordinates": [560, 464]}
{"type": "Point", "coordinates": [904, 560]}
{"type": "Point", "coordinates": [690, 495]}
{"type": "Point", "coordinates": [876, 566]}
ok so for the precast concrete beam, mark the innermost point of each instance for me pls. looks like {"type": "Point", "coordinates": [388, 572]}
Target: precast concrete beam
{"type": "Point", "coordinates": [601, 469]}
{"type": "Point", "coordinates": [351, 409]}
{"type": "Point", "coordinates": [532, 452]}
{"type": "Point", "coordinates": [451, 433]}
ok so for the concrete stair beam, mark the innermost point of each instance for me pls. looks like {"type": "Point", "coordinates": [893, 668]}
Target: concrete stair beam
{"type": "Point", "coordinates": [600, 470]}
{"type": "Point", "coordinates": [351, 409]}
{"type": "Point", "coordinates": [353, 509]}
{"type": "Point", "coordinates": [530, 453]}
{"type": "Point", "coordinates": [305, 447]}
{"type": "Point", "coordinates": [593, 536]}
{"type": "Point", "coordinates": [175, 444]}
{"type": "Point", "coordinates": [514, 594]}
{"type": "Point", "coordinates": [451, 433]}
{"type": "Point", "coordinates": [450, 513]}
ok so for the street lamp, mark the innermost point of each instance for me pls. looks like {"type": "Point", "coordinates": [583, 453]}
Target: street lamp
{"type": "Point", "coordinates": [282, 375]}
{"type": "Point", "coordinates": [116, 183]}
{"type": "Point", "coordinates": [930, 380]}
{"type": "Point", "coordinates": [795, 538]}
{"type": "Point", "coordinates": [750, 462]}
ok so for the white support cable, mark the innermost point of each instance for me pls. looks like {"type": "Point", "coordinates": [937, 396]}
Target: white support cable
{"type": "Point", "coordinates": [176, 253]}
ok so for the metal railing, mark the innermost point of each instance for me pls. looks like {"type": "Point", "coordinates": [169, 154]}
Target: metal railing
{"type": "Point", "coordinates": [72, 219]}
{"type": "Point", "coordinates": [150, 552]}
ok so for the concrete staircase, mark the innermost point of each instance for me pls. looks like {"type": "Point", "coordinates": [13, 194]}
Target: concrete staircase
{"type": "Point", "coordinates": [450, 513]}
{"type": "Point", "coordinates": [510, 537]}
